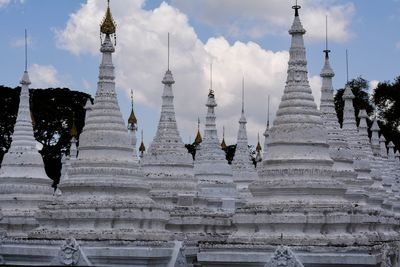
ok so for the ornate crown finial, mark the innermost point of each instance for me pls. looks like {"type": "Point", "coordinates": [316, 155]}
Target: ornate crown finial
{"type": "Point", "coordinates": [108, 26]}
{"type": "Point", "coordinates": [296, 9]}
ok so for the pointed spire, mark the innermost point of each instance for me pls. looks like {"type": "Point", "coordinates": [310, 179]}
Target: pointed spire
{"type": "Point", "coordinates": [211, 92]}
{"type": "Point", "coordinates": [391, 148]}
{"type": "Point", "coordinates": [167, 147]}
{"type": "Point", "coordinates": [74, 131]}
{"type": "Point", "coordinates": [26, 51]}
{"type": "Point", "coordinates": [198, 138]}
{"type": "Point", "coordinates": [223, 144]}
{"type": "Point", "coordinates": [142, 148]}
{"type": "Point", "coordinates": [296, 9]}
{"type": "Point", "coordinates": [382, 142]}
{"type": "Point", "coordinates": [326, 51]}
{"type": "Point", "coordinates": [375, 136]}
{"type": "Point", "coordinates": [258, 147]}
{"type": "Point", "coordinates": [243, 95]}
{"type": "Point", "coordinates": [108, 26]}
{"type": "Point", "coordinates": [132, 121]}
{"type": "Point", "coordinates": [347, 67]}
{"type": "Point", "coordinates": [168, 52]}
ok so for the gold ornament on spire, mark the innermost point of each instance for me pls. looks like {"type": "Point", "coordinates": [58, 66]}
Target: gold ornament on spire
{"type": "Point", "coordinates": [258, 147]}
{"type": "Point", "coordinates": [198, 138]}
{"type": "Point", "coordinates": [108, 26]}
{"type": "Point", "coordinates": [132, 118]}
{"type": "Point", "coordinates": [142, 148]}
{"type": "Point", "coordinates": [223, 144]}
{"type": "Point", "coordinates": [73, 132]}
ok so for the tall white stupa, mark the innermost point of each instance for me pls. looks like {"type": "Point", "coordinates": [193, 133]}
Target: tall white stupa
{"type": "Point", "coordinates": [104, 194]}
{"type": "Point", "coordinates": [296, 190]}
{"type": "Point", "coordinates": [24, 184]}
{"type": "Point", "coordinates": [167, 164]}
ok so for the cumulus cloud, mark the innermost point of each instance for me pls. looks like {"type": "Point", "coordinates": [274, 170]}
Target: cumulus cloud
{"type": "Point", "coordinates": [43, 76]}
{"type": "Point", "coordinates": [255, 19]}
{"type": "Point", "coordinates": [141, 61]}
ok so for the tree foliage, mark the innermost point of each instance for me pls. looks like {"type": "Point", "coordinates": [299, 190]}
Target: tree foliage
{"type": "Point", "coordinates": [386, 98]}
{"type": "Point", "coordinates": [53, 111]}
{"type": "Point", "coordinates": [359, 87]}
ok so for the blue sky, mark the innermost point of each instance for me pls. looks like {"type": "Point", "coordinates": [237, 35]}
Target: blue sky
{"type": "Point", "coordinates": [225, 31]}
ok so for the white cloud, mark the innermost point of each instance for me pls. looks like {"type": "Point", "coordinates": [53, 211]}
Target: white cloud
{"type": "Point", "coordinates": [43, 76]}
{"type": "Point", "coordinates": [4, 3]}
{"type": "Point", "coordinates": [259, 18]}
{"type": "Point", "coordinates": [140, 61]}
{"type": "Point", "coordinates": [20, 42]}
{"type": "Point", "coordinates": [373, 84]}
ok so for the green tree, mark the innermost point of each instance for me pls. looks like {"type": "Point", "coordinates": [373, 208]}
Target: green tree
{"type": "Point", "coordinates": [386, 98]}
{"type": "Point", "coordinates": [359, 87]}
{"type": "Point", "coordinates": [53, 110]}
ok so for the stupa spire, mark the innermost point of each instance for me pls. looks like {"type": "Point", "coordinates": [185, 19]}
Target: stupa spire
{"type": "Point", "coordinates": [339, 149]}
{"type": "Point", "coordinates": [167, 163]}
{"type": "Point", "coordinates": [266, 132]}
{"type": "Point", "coordinates": [223, 144]}
{"type": "Point", "coordinates": [142, 147]}
{"type": "Point", "coordinates": [243, 169]}
{"type": "Point", "coordinates": [211, 167]}
{"type": "Point", "coordinates": [198, 138]}
{"type": "Point", "coordinates": [23, 181]}
{"type": "Point", "coordinates": [167, 141]}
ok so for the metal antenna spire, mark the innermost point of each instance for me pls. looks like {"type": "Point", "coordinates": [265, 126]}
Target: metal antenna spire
{"type": "Point", "coordinates": [211, 76]}
{"type": "Point", "coordinates": [168, 50]}
{"type": "Point", "coordinates": [347, 66]}
{"type": "Point", "coordinates": [223, 132]}
{"type": "Point", "coordinates": [296, 9]}
{"type": "Point", "coordinates": [243, 94]}
{"type": "Point", "coordinates": [198, 123]}
{"type": "Point", "coordinates": [26, 51]}
{"type": "Point", "coordinates": [326, 51]}
{"type": "Point", "coordinates": [132, 98]}
{"type": "Point", "coordinates": [142, 135]}
{"type": "Point", "coordinates": [268, 113]}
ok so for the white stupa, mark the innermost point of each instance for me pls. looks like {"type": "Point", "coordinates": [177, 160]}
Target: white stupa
{"type": "Point", "coordinates": [339, 149]}
{"type": "Point", "coordinates": [213, 173]}
{"type": "Point", "coordinates": [167, 164]}
{"type": "Point", "coordinates": [104, 194]}
{"type": "Point", "coordinates": [24, 184]}
{"type": "Point", "coordinates": [296, 189]}
{"type": "Point", "coordinates": [244, 171]}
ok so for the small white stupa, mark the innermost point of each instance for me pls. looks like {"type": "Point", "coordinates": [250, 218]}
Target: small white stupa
{"type": "Point", "coordinates": [244, 171]}
{"type": "Point", "coordinates": [213, 173]}
{"type": "Point", "coordinates": [167, 164]}
{"type": "Point", "coordinates": [24, 184]}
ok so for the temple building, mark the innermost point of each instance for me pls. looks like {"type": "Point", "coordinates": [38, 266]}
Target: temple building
{"type": "Point", "coordinates": [322, 194]}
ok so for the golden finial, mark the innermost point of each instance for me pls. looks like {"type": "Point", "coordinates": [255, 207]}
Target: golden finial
{"type": "Point", "coordinates": [223, 144]}
{"type": "Point", "coordinates": [108, 26]}
{"type": "Point", "coordinates": [198, 138]}
{"type": "Point", "coordinates": [132, 118]}
{"type": "Point", "coordinates": [142, 148]}
{"type": "Point", "coordinates": [73, 132]}
{"type": "Point", "coordinates": [258, 147]}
